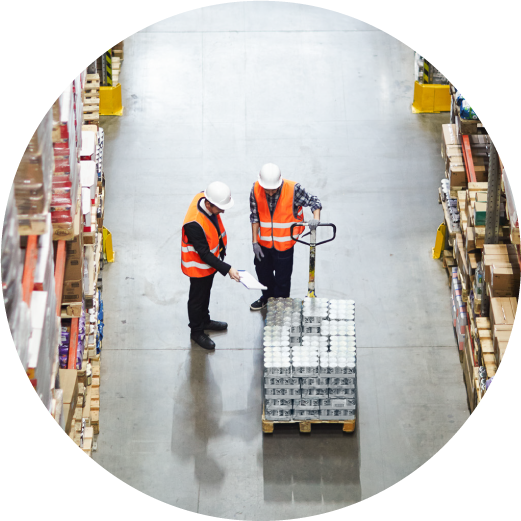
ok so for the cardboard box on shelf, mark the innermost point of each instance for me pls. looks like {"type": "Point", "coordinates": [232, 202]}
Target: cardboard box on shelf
{"type": "Point", "coordinates": [73, 268]}
{"type": "Point", "coordinates": [462, 200]}
{"type": "Point", "coordinates": [484, 334]}
{"type": "Point", "coordinates": [500, 261]}
{"type": "Point", "coordinates": [457, 175]}
{"type": "Point", "coordinates": [502, 316]}
{"type": "Point", "coordinates": [86, 410]}
{"type": "Point", "coordinates": [95, 421]}
{"type": "Point", "coordinates": [504, 280]}
{"type": "Point", "coordinates": [478, 186]}
{"type": "Point", "coordinates": [449, 137]}
{"type": "Point", "coordinates": [470, 239]}
{"type": "Point", "coordinates": [482, 323]}
{"type": "Point", "coordinates": [454, 155]}
{"type": "Point", "coordinates": [500, 249]}
{"type": "Point", "coordinates": [480, 169]}
{"type": "Point", "coordinates": [487, 346]}
{"type": "Point", "coordinates": [480, 213]}
{"type": "Point", "coordinates": [481, 197]}
{"type": "Point", "coordinates": [501, 338]}
{"type": "Point", "coordinates": [72, 291]}
{"type": "Point", "coordinates": [74, 247]}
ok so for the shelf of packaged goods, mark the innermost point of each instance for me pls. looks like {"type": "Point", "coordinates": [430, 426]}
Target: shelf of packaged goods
{"type": "Point", "coordinates": [512, 212]}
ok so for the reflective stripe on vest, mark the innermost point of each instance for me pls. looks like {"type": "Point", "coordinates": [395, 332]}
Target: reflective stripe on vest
{"type": "Point", "coordinates": [194, 264]}
{"type": "Point", "coordinates": [275, 232]}
{"type": "Point", "coordinates": [188, 248]}
{"type": "Point", "coordinates": [191, 263]}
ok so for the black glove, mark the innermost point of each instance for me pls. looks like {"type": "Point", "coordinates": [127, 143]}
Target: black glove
{"type": "Point", "coordinates": [257, 251]}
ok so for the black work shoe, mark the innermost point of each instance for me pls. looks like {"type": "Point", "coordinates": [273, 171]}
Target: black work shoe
{"type": "Point", "coordinates": [214, 325]}
{"type": "Point", "coordinates": [203, 340]}
{"type": "Point", "coordinates": [258, 305]}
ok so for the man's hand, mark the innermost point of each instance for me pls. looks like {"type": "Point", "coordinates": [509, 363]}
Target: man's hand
{"type": "Point", "coordinates": [257, 251]}
{"type": "Point", "coordinates": [234, 274]}
{"type": "Point", "coordinates": [313, 223]}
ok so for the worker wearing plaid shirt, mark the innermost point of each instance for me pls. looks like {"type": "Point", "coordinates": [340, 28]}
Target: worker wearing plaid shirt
{"type": "Point", "coordinates": [274, 267]}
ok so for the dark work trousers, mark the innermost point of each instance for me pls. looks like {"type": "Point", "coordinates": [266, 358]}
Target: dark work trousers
{"type": "Point", "coordinates": [274, 271]}
{"type": "Point", "coordinates": [198, 302]}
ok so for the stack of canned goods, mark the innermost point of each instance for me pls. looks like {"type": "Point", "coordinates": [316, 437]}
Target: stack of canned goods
{"type": "Point", "coordinates": [314, 311]}
{"type": "Point", "coordinates": [280, 385]}
{"type": "Point", "coordinates": [310, 359]}
{"type": "Point", "coordinates": [341, 310]}
{"type": "Point", "coordinates": [284, 316]}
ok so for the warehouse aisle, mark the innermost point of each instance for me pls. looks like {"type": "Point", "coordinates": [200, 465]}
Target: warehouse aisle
{"type": "Point", "coordinates": [212, 95]}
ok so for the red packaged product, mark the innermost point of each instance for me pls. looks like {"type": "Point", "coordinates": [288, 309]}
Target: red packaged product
{"type": "Point", "coordinates": [62, 166]}
{"type": "Point", "coordinates": [61, 217]}
{"type": "Point", "coordinates": [60, 204]}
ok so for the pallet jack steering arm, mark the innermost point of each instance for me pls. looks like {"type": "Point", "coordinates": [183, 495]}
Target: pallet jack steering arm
{"type": "Point", "coordinates": [312, 249]}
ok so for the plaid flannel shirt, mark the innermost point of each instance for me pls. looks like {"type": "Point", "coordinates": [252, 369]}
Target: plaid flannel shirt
{"type": "Point", "coordinates": [300, 198]}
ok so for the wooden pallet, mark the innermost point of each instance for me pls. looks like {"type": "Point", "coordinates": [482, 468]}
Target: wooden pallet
{"type": "Point", "coordinates": [91, 91]}
{"type": "Point", "coordinates": [91, 113]}
{"type": "Point", "coordinates": [32, 224]}
{"type": "Point", "coordinates": [91, 101]}
{"type": "Point", "coordinates": [91, 98]}
{"type": "Point", "coordinates": [305, 425]}
{"type": "Point", "coordinates": [92, 82]}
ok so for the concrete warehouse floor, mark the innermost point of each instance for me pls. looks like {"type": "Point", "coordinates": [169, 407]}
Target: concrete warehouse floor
{"type": "Point", "coordinates": [213, 94]}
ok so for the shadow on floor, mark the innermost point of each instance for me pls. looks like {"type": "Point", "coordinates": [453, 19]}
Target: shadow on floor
{"type": "Point", "coordinates": [322, 466]}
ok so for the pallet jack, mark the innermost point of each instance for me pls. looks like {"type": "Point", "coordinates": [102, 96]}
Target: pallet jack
{"type": "Point", "coordinates": [312, 250]}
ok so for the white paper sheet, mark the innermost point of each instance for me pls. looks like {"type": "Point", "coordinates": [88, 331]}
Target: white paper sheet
{"type": "Point", "coordinates": [250, 281]}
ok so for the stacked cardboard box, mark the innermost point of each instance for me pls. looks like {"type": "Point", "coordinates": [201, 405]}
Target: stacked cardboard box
{"type": "Point", "coordinates": [73, 277]}
{"type": "Point", "coordinates": [501, 268]}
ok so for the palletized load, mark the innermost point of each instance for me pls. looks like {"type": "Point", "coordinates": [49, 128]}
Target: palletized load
{"type": "Point", "coordinates": [310, 358]}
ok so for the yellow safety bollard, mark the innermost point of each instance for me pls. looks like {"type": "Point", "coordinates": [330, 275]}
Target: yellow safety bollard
{"type": "Point", "coordinates": [110, 101]}
{"type": "Point", "coordinates": [430, 98]}
{"type": "Point", "coordinates": [107, 245]}
{"type": "Point", "coordinates": [440, 241]}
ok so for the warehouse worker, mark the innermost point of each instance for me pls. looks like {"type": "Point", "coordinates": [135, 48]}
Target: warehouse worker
{"type": "Point", "coordinates": [203, 247]}
{"type": "Point", "coordinates": [276, 204]}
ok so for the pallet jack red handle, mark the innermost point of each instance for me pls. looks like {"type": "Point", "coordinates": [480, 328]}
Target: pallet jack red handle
{"type": "Point", "coordinates": [318, 243]}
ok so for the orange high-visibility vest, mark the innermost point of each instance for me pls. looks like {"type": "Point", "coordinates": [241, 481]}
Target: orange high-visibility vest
{"type": "Point", "coordinates": [274, 232]}
{"type": "Point", "coordinates": [191, 262]}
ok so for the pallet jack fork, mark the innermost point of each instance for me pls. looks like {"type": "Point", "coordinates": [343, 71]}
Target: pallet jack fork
{"type": "Point", "coordinates": [312, 251]}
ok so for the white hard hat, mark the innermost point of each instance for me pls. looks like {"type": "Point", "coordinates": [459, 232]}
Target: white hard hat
{"type": "Point", "coordinates": [219, 195]}
{"type": "Point", "coordinates": [270, 176]}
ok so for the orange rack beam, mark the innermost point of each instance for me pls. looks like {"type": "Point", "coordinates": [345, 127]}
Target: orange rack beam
{"type": "Point", "coordinates": [467, 157]}
{"type": "Point", "coordinates": [73, 346]}
{"type": "Point", "coordinates": [31, 257]}
{"type": "Point", "coordinates": [59, 272]}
